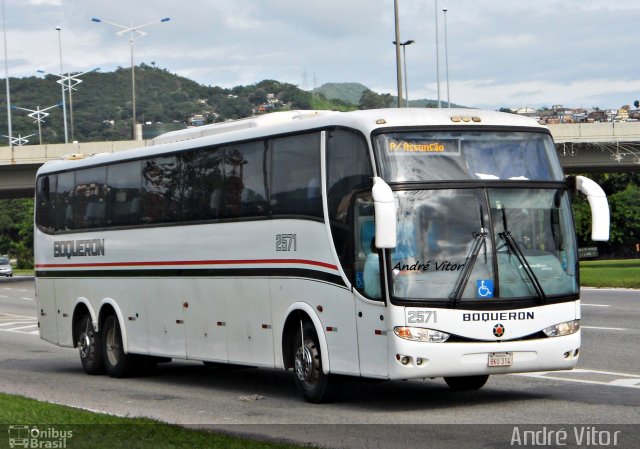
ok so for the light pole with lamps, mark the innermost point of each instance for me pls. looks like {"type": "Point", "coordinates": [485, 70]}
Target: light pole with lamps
{"type": "Point", "coordinates": [20, 140]}
{"type": "Point", "coordinates": [69, 82]}
{"type": "Point", "coordinates": [38, 115]}
{"type": "Point", "coordinates": [404, 63]}
{"type": "Point", "coordinates": [134, 33]}
{"type": "Point", "coordinates": [397, 44]}
{"type": "Point", "coordinates": [446, 57]}
{"type": "Point", "coordinates": [6, 71]}
{"type": "Point", "coordinates": [437, 58]}
{"type": "Point", "coordinates": [64, 102]}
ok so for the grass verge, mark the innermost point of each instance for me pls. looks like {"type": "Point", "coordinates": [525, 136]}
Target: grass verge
{"type": "Point", "coordinates": [610, 273]}
{"type": "Point", "coordinates": [84, 429]}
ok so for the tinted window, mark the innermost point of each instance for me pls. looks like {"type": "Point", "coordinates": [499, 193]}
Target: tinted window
{"type": "Point", "coordinates": [161, 190]}
{"type": "Point", "coordinates": [295, 176]}
{"type": "Point", "coordinates": [245, 189]}
{"type": "Point", "coordinates": [123, 199]}
{"type": "Point", "coordinates": [90, 196]}
{"type": "Point", "coordinates": [349, 171]}
{"type": "Point", "coordinates": [45, 189]}
{"type": "Point", "coordinates": [63, 201]}
{"type": "Point", "coordinates": [202, 189]}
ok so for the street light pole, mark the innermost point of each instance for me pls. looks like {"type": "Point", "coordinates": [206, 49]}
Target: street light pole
{"type": "Point", "coordinates": [64, 102]}
{"type": "Point", "coordinates": [6, 71]}
{"type": "Point", "coordinates": [134, 33]}
{"type": "Point", "coordinates": [404, 63]}
{"type": "Point", "coordinates": [446, 57]}
{"type": "Point", "coordinates": [38, 115]}
{"type": "Point", "coordinates": [397, 43]}
{"type": "Point", "coordinates": [69, 83]}
{"type": "Point", "coordinates": [437, 58]}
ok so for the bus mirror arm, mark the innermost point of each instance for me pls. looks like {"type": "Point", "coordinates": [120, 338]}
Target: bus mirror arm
{"type": "Point", "coordinates": [385, 213]}
{"type": "Point", "coordinates": [598, 204]}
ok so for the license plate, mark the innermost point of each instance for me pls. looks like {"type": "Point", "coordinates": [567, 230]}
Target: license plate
{"type": "Point", "coordinates": [500, 359]}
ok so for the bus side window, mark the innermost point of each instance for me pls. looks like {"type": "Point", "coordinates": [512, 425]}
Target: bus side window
{"type": "Point", "coordinates": [202, 189]}
{"type": "Point", "coordinates": [63, 201]}
{"type": "Point", "coordinates": [45, 195]}
{"type": "Point", "coordinates": [123, 198]}
{"type": "Point", "coordinates": [161, 190]}
{"type": "Point", "coordinates": [90, 197]}
{"type": "Point", "coordinates": [245, 187]}
{"type": "Point", "coordinates": [349, 172]}
{"type": "Point", "coordinates": [295, 165]}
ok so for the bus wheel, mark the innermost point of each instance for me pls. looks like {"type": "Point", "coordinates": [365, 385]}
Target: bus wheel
{"type": "Point", "coordinates": [466, 383]}
{"type": "Point", "coordinates": [116, 362]}
{"type": "Point", "coordinates": [311, 382]}
{"type": "Point", "coordinates": [90, 347]}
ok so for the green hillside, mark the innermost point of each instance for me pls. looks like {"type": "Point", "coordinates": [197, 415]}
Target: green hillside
{"type": "Point", "coordinates": [102, 103]}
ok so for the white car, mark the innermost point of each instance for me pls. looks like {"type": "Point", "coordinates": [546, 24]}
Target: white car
{"type": "Point", "coordinates": [5, 267]}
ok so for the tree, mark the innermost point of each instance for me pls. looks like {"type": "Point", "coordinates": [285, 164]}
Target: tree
{"type": "Point", "coordinates": [16, 230]}
{"type": "Point", "coordinates": [372, 100]}
{"type": "Point", "coordinates": [636, 104]}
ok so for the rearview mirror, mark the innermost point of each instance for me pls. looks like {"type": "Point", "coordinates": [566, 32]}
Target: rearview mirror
{"type": "Point", "coordinates": [384, 206]}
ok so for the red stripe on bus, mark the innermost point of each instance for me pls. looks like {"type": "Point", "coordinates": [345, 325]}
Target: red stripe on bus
{"type": "Point", "coordinates": [188, 263]}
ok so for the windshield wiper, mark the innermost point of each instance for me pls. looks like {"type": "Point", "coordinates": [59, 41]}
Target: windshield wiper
{"type": "Point", "coordinates": [461, 283]}
{"type": "Point", "coordinates": [515, 249]}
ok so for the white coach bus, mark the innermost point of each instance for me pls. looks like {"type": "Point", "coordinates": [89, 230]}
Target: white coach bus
{"type": "Point", "coordinates": [388, 244]}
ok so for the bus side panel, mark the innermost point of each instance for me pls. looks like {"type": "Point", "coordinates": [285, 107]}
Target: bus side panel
{"type": "Point", "coordinates": [206, 317]}
{"type": "Point", "coordinates": [250, 327]}
{"type": "Point", "coordinates": [337, 317]}
{"type": "Point", "coordinates": [128, 295]}
{"type": "Point", "coordinates": [66, 292]}
{"type": "Point", "coordinates": [165, 318]}
{"type": "Point", "coordinates": [46, 303]}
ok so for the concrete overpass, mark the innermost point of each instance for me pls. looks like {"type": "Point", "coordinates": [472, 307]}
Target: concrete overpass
{"type": "Point", "coordinates": [584, 147]}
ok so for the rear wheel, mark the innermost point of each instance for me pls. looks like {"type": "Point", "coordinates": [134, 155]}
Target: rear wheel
{"type": "Point", "coordinates": [90, 347]}
{"type": "Point", "coordinates": [466, 383]}
{"type": "Point", "coordinates": [312, 383]}
{"type": "Point", "coordinates": [116, 362]}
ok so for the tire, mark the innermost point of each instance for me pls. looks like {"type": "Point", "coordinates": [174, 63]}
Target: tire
{"type": "Point", "coordinates": [313, 385]}
{"type": "Point", "coordinates": [90, 347]}
{"type": "Point", "coordinates": [466, 383]}
{"type": "Point", "coordinates": [116, 362]}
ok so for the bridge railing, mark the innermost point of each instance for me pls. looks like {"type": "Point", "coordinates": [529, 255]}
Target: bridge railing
{"type": "Point", "coordinates": [38, 154]}
{"type": "Point", "coordinates": [596, 132]}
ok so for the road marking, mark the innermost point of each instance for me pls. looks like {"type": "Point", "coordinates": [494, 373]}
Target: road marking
{"type": "Point", "coordinates": [606, 328]}
{"type": "Point", "coordinates": [28, 299]}
{"type": "Point", "coordinates": [18, 324]}
{"type": "Point", "coordinates": [596, 305]}
{"type": "Point", "coordinates": [625, 380]}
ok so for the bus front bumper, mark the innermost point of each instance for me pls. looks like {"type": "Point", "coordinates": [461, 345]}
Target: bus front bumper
{"type": "Point", "coordinates": [411, 360]}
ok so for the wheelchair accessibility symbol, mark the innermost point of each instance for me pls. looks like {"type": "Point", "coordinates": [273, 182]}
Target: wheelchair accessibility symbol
{"type": "Point", "coordinates": [484, 288]}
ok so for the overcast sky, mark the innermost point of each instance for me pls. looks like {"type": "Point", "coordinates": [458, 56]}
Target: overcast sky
{"type": "Point", "coordinates": [502, 53]}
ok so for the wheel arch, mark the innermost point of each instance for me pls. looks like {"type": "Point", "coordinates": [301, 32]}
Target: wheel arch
{"type": "Point", "coordinates": [297, 312]}
{"type": "Point", "coordinates": [109, 306]}
{"type": "Point", "coordinates": [82, 307]}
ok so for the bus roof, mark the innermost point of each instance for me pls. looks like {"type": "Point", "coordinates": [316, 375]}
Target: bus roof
{"type": "Point", "coordinates": [294, 121]}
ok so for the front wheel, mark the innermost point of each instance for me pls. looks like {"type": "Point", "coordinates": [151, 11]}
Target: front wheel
{"type": "Point", "coordinates": [466, 383]}
{"type": "Point", "coordinates": [90, 347]}
{"type": "Point", "coordinates": [116, 362]}
{"type": "Point", "coordinates": [311, 382]}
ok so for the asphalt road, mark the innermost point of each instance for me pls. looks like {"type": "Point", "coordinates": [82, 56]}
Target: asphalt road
{"type": "Point", "coordinates": [603, 395]}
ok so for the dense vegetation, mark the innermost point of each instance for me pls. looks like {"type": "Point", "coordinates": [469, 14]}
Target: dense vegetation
{"type": "Point", "coordinates": [102, 103]}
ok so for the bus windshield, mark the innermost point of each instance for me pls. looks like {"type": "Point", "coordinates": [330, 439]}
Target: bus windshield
{"type": "Point", "coordinates": [418, 156]}
{"type": "Point", "coordinates": [489, 241]}
{"type": "Point", "coordinates": [483, 244]}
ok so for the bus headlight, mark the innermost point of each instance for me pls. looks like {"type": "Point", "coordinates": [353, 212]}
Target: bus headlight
{"type": "Point", "coordinates": [562, 329]}
{"type": "Point", "coordinates": [421, 334]}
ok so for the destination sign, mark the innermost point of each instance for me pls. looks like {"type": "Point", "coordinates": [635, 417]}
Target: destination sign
{"type": "Point", "coordinates": [426, 147]}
